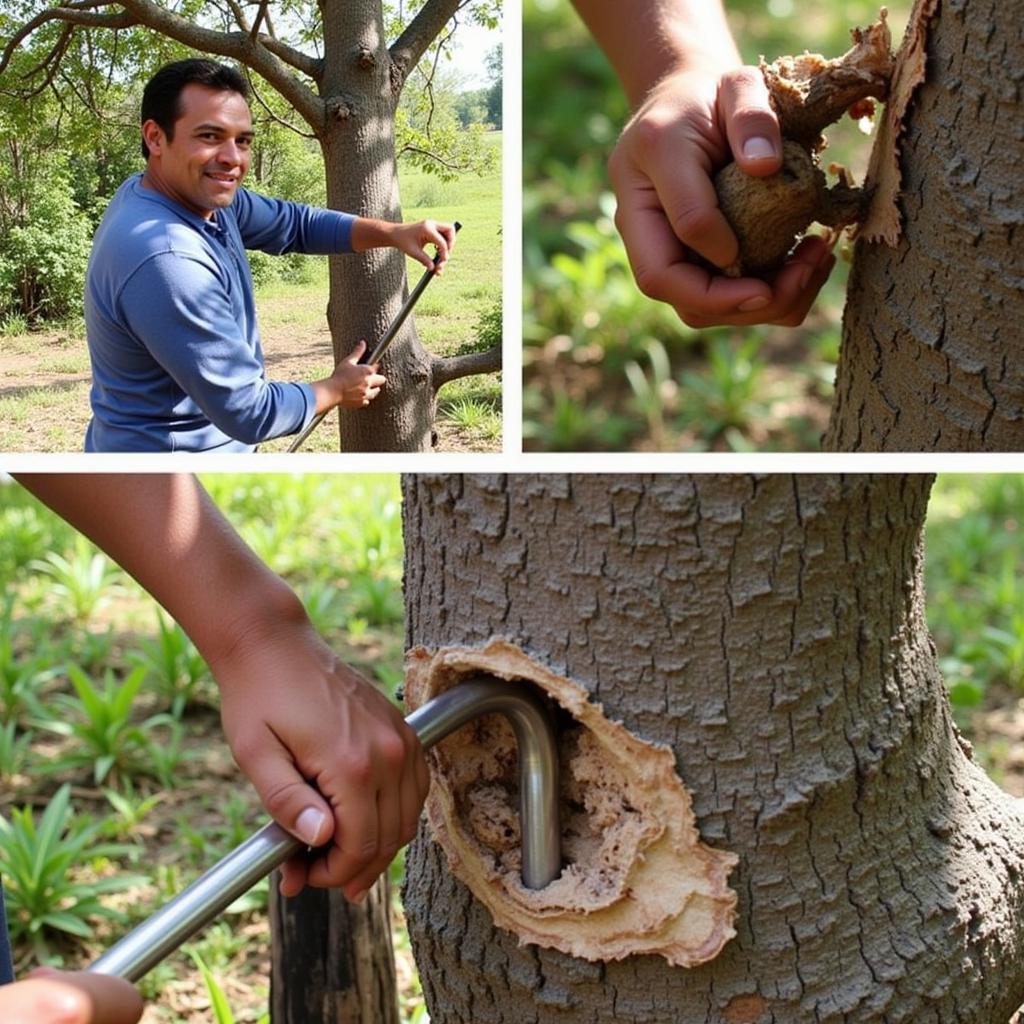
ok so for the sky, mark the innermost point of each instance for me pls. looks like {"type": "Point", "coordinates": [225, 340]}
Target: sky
{"type": "Point", "coordinates": [472, 44]}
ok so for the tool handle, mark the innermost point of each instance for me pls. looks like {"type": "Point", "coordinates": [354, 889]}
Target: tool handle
{"type": "Point", "coordinates": [374, 355]}
{"type": "Point", "coordinates": [194, 908]}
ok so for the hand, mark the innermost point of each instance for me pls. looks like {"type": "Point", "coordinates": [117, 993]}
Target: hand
{"type": "Point", "coordinates": [413, 238]}
{"type": "Point", "coordinates": [688, 126]}
{"type": "Point", "coordinates": [356, 384]}
{"type": "Point", "coordinates": [296, 717]}
{"type": "Point", "coordinates": [52, 997]}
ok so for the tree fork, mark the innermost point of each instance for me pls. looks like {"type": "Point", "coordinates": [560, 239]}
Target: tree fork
{"type": "Point", "coordinates": [771, 631]}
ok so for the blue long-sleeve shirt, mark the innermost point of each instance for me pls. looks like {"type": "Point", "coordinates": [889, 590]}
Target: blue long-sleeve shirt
{"type": "Point", "coordinates": [177, 363]}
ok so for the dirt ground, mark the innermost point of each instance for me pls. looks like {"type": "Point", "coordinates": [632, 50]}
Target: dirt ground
{"type": "Point", "coordinates": [45, 379]}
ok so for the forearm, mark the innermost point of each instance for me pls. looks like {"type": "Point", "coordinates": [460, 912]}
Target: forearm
{"type": "Point", "coordinates": [165, 531]}
{"type": "Point", "coordinates": [368, 233]}
{"type": "Point", "coordinates": [645, 41]}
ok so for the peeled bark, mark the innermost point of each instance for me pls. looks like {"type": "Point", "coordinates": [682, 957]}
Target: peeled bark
{"type": "Point", "coordinates": [933, 343]}
{"type": "Point", "coordinates": [771, 631]}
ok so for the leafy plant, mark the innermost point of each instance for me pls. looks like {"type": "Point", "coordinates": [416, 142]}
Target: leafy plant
{"type": "Point", "coordinates": [222, 1012]}
{"type": "Point", "coordinates": [85, 580]}
{"type": "Point", "coordinates": [14, 749]}
{"type": "Point", "coordinates": [172, 662]}
{"type": "Point", "coordinates": [725, 395]}
{"type": "Point", "coordinates": [131, 810]}
{"type": "Point", "coordinates": [655, 396]}
{"type": "Point", "coordinates": [20, 678]}
{"type": "Point", "coordinates": [41, 862]}
{"type": "Point", "coordinates": [108, 741]}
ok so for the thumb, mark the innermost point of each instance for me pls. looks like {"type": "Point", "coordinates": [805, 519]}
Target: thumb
{"type": "Point", "coordinates": [356, 354]}
{"type": "Point", "coordinates": [750, 123]}
{"type": "Point", "coordinates": [291, 801]}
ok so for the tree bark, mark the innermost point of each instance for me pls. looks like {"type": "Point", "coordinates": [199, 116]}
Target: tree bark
{"type": "Point", "coordinates": [933, 343]}
{"type": "Point", "coordinates": [770, 630]}
{"type": "Point", "coordinates": [331, 961]}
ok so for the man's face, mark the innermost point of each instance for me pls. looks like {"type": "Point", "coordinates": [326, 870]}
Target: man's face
{"type": "Point", "coordinates": [202, 166]}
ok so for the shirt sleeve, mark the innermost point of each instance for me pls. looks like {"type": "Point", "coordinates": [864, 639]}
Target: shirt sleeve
{"type": "Point", "coordinates": [180, 309]}
{"type": "Point", "coordinates": [279, 226]}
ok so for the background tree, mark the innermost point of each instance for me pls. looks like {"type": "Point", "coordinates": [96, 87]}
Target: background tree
{"type": "Point", "coordinates": [334, 68]}
{"type": "Point", "coordinates": [771, 631]}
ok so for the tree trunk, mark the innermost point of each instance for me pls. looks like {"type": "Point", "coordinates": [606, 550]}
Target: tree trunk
{"type": "Point", "coordinates": [331, 961]}
{"type": "Point", "coordinates": [933, 343]}
{"type": "Point", "coordinates": [367, 290]}
{"type": "Point", "coordinates": [770, 630]}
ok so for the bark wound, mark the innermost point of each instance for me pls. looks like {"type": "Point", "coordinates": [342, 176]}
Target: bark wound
{"type": "Point", "coordinates": [636, 879]}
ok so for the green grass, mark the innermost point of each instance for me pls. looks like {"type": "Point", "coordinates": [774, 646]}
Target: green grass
{"type": "Point", "coordinates": [584, 320]}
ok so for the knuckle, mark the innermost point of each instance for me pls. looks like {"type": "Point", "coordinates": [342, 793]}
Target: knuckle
{"type": "Point", "coordinates": [650, 282]}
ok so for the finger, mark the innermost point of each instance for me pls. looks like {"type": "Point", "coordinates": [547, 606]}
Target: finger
{"type": "Point", "coordinates": [371, 395]}
{"type": "Point", "coordinates": [354, 356]}
{"type": "Point", "coordinates": [685, 193]}
{"type": "Point", "coordinates": [376, 380]}
{"type": "Point", "coordinates": [289, 799]}
{"type": "Point", "coordinates": [76, 998]}
{"type": "Point", "coordinates": [294, 875]}
{"type": "Point", "coordinates": [750, 123]}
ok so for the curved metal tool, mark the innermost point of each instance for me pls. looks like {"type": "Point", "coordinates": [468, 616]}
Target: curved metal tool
{"type": "Point", "coordinates": [142, 949]}
{"type": "Point", "coordinates": [374, 355]}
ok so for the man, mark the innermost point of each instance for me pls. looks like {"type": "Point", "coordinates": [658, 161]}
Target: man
{"type": "Point", "coordinates": [176, 356]}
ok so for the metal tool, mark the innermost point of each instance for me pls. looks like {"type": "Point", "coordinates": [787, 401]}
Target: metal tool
{"type": "Point", "coordinates": [374, 356]}
{"type": "Point", "coordinates": [142, 949]}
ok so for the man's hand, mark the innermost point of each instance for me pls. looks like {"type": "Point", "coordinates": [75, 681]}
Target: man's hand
{"type": "Point", "coordinates": [52, 997]}
{"type": "Point", "coordinates": [662, 170]}
{"type": "Point", "coordinates": [412, 239]}
{"type": "Point", "coordinates": [353, 385]}
{"type": "Point", "coordinates": [297, 718]}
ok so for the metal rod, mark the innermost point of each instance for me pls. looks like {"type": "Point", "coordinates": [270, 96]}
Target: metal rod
{"type": "Point", "coordinates": [374, 355]}
{"type": "Point", "coordinates": [144, 947]}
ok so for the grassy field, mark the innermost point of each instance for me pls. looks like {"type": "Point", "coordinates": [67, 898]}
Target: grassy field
{"type": "Point", "coordinates": [44, 375]}
{"type": "Point", "coordinates": [154, 797]}
{"type": "Point", "coordinates": [606, 368]}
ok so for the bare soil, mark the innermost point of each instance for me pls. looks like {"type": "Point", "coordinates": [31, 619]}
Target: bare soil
{"type": "Point", "coordinates": [55, 401]}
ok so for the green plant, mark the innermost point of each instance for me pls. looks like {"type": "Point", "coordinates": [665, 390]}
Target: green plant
{"type": "Point", "coordinates": [131, 810]}
{"type": "Point", "coordinates": [222, 1012]}
{"type": "Point", "coordinates": [107, 741]}
{"type": "Point", "coordinates": [656, 396]}
{"type": "Point", "coordinates": [45, 884]}
{"type": "Point", "coordinates": [172, 662]}
{"type": "Point", "coordinates": [14, 749]}
{"type": "Point", "coordinates": [85, 580]}
{"type": "Point", "coordinates": [724, 396]}
{"type": "Point", "coordinates": [378, 599]}
{"type": "Point", "coordinates": [473, 415]}
{"type": "Point", "coordinates": [20, 677]}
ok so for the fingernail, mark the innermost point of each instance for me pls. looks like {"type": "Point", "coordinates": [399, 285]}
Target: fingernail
{"type": "Point", "coordinates": [758, 148]}
{"type": "Point", "coordinates": [757, 302]}
{"type": "Point", "coordinates": [309, 824]}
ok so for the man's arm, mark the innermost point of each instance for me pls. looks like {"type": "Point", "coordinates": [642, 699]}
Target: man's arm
{"type": "Point", "coordinates": [291, 710]}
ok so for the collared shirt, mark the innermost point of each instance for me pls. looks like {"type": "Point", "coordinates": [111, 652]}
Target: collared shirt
{"type": "Point", "coordinates": [177, 363]}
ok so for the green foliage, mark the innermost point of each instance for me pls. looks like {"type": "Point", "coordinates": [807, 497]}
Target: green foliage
{"type": "Point", "coordinates": [84, 581]}
{"type": "Point", "coordinates": [39, 863]}
{"type": "Point", "coordinates": [975, 605]}
{"type": "Point", "coordinates": [222, 1012]}
{"type": "Point", "coordinates": [106, 739]}
{"type": "Point", "coordinates": [14, 751]}
{"type": "Point", "coordinates": [172, 664]}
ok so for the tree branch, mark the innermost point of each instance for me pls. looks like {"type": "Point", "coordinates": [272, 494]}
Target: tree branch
{"type": "Point", "coordinates": [444, 371]}
{"type": "Point", "coordinates": [421, 32]}
{"type": "Point", "coordinates": [74, 14]}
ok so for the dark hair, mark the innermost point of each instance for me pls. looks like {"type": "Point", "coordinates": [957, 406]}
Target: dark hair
{"type": "Point", "coordinates": [162, 95]}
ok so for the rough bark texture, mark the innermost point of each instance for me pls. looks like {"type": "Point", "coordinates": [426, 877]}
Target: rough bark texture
{"type": "Point", "coordinates": [933, 343]}
{"type": "Point", "coordinates": [331, 961]}
{"type": "Point", "coordinates": [771, 631]}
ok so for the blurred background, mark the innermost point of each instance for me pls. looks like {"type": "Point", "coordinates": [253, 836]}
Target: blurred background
{"type": "Point", "coordinates": [606, 368]}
